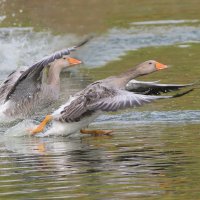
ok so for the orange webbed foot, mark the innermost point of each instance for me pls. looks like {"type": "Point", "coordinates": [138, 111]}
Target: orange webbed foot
{"type": "Point", "coordinates": [42, 125]}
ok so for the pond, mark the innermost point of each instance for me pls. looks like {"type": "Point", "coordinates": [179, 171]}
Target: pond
{"type": "Point", "coordinates": [154, 150]}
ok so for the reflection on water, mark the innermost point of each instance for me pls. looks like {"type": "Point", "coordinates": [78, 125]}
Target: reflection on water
{"type": "Point", "coordinates": [177, 117]}
{"type": "Point", "coordinates": [142, 161]}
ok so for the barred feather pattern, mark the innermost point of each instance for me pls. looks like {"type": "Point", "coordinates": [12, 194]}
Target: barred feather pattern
{"type": "Point", "coordinates": [153, 88]}
{"type": "Point", "coordinates": [34, 71]}
{"type": "Point", "coordinates": [8, 83]}
{"type": "Point", "coordinates": [22, 91]}
{"type": "Point", "coordinates": [99, 97]}
{"type": "Point", "coordinates": [31, 104]}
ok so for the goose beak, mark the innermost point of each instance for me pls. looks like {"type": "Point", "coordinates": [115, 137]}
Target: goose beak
{"type": "Point", "coordinates": [73, 61]}
{"type": "Point", "coordinates": [160, 66]}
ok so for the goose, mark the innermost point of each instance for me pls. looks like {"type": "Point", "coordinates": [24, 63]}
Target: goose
{"type": "Point", "coordinates": [29, 89]}
{"type": "Point", "coordinates": [105, 95]}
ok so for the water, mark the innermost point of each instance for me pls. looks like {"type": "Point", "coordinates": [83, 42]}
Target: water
{"type": "Point", "coordinates": [23, 46]}
{"type": "Point", "coordinates": [136, 162]}
{"type": "Point", "coordinates": [154, 151]}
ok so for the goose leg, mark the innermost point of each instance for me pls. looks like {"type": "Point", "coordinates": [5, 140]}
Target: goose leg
{"type": "Point", "coordinates": [96, 132]}
{"type": "Point", "coordinates": [42, 125]}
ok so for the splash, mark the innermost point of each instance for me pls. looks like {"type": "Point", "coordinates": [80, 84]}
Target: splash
{"type": "Point", "coordinates": [21, 129]}
{"type": "Point", "coordinates": [2, 18]}
{"type": "Point", "coordinates": [23, 46]}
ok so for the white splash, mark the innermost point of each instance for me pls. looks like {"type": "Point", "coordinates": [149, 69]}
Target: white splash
{"type": "Point", "coordinates": [2, 18]}
{"type": "Point", "coordinates": [21, 129]}
{"type": "Point", "coordinates": [23, 46]}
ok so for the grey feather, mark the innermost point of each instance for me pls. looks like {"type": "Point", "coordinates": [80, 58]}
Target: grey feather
{"type": "Point", "coordinates": [153, 88]}
{"type": "Point", "coordinates": [98, 97]}
{"type": "Point", "coordinates": [123, 99]}
{"type": "Point", "coordinates": [8, 83]}
{"type": "Point", "coordinates": [33, 74]}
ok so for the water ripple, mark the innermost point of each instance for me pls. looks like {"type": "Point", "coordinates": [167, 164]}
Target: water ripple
{"type": "Point", "coordinates": [182, 116]}
{"type": "Point", "coordinates": [22, 43]}
{"type": "Point", "coordinates": [181, 21]}
{"type": "Point", "coordinates": [117, 42]}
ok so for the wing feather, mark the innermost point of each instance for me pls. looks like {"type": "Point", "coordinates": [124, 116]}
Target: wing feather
{"type": "Point", "coordinates": [33, 74]}
{"type": "Point", "coordinates": [101, 98]}
{"type": "Point", "coordinates": [122, 100]}
{"type": "Point", "coordinates": [153, 88]}
{"type": "Point", "coordinates": [8, 83]}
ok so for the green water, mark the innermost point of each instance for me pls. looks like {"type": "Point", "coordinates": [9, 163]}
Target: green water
{"type": "Point", "coordinates": [154, 150]}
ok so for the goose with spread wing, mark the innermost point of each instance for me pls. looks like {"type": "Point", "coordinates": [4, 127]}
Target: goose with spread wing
{"type": "Point", "coordinates": [106, 95]}
{"type": "Point", "coordinates": [31, 88]}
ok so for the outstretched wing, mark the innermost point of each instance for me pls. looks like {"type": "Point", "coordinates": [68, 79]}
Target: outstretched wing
{"type": "Point", "coordinates": [153, 88]}
{"type": "Point", "coordinates": [124, 99]}
{"type": "Point", "coordinates": [30, 81]}
{"type": "Point", "coordinates": [8, 83]}
{"type": "Point", "coordinates": [99, 98]}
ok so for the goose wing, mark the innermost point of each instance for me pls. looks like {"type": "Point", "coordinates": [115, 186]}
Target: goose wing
{"type": "Point", "coordinates": [103, 99]}
{"type": "Point", "coordinates": [124, 99]}
{"type": "Point", "coordinates": [153, 88]}
{"type": "Point", "coordinates": [8, 83]}
{"type": "Point", "coordinates": [30, 80]}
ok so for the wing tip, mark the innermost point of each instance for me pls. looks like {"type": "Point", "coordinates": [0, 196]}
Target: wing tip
{"type": "Point", "coordinates": [183, 93]}
{"type": "Point", "coordinates": [84, 41]}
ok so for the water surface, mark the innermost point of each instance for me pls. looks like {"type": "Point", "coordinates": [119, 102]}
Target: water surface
{"type": "Point", "coordinates": [154, 150]}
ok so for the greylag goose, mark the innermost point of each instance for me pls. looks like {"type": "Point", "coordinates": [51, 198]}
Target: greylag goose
{"type": "Point", "coordinates": [105, 95]}
{"type": "Point", "coordinates": [31, 88]}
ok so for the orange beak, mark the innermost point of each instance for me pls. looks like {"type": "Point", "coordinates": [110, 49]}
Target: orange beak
{"type": "Point", "coordinates": [160, 66]}
{"type": "Point", "coordinates": [73, 61]}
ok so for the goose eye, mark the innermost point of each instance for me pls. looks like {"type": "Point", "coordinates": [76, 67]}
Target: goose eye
{"type": "Point", "coordinates": [150, 63]}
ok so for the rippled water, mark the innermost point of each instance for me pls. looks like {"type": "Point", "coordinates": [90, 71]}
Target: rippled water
{"type": "Point", "coordinates": [136, 162]}
{"type": "Point", "coordinates": [117, 42]}
{"type": "Point", "coordinates": [153, 152]}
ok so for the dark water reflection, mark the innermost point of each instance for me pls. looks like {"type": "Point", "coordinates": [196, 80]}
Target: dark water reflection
{"type": "Point", "coordinates": [140, 161]}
